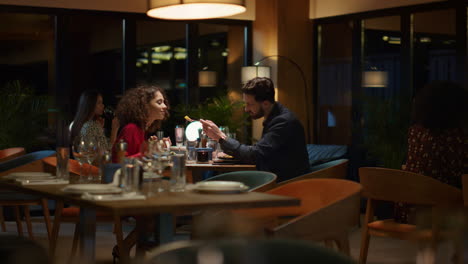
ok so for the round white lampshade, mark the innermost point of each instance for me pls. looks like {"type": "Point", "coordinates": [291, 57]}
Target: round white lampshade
{"type": "Point", "coordinates": [376, 79]}
{"type": "Point", "coordinates": [194, 9]}
{"type": "Point", "coordinates": [207, 78]}
{"type": "Point", "coordinates": [250, 72]}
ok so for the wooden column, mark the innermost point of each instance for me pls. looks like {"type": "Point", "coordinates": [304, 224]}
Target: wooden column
{"type": "Point", "coordinates": [283, 28]}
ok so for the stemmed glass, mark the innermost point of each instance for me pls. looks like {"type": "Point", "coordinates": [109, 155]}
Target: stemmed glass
{"type": "Point", "coordinates": [79, 150]}
{"type": "Point", "coordinates": [91, 154]}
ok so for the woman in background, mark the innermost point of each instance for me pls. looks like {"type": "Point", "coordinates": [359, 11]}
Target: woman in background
{"type": "Point", "coordinates": [438, 138]}
{"type": "Point", "coordinates": [140, 112]}
{"type": "Point", "coordinates": [88, 121]}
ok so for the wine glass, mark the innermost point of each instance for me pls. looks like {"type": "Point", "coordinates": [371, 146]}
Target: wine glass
{"type": "Point", "coordinates": [92, 149]}
{"type": "Point", "coordinates": [79, 153]}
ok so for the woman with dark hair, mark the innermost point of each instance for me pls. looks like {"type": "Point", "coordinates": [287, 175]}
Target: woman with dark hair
{"type": "Point", "coordinates": [88, 122]}
{"type": "Point", "coordinates": [438, 138]}
{"type": "Point", "coordinates": [141, 112]}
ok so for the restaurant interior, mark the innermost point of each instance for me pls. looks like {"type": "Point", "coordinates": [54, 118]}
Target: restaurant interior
{"type": "Point", "coordinates": [349, 71]}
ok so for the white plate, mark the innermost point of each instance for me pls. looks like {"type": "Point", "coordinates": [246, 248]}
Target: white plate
{"type": "Point", "coordinates": [91, 188]}
{"type": "Point", "coordinates": [221, 187]}
{"type": "Point", "coordinates": [30, 176]}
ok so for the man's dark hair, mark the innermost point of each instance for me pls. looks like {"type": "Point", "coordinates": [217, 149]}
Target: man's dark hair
{"type": "Point", "coordinates": [441, 105]}
{"type": "Point", "coordinates": [261, 88]}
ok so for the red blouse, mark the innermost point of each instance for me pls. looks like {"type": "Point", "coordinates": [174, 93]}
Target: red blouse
{"type": "Point", "coordinates": [134, 136]}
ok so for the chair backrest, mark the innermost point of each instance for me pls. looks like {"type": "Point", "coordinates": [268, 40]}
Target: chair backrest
{"type": "Point", "coordinates": [236, 251]}
{"type": "Point", "coordinates": [256, 180]}
{"type": "Point", "coordinates": [315, 193]}
{"type": "Point", "coordinates": [335, 169]}
{"type": "Point", "coordinates": [50, 165]}
{"type": "Point", "coordinates": [403, 186]}
{"type": "Point", "coordinates": [10, 153]}
{"type": "Point", "coordinates": [25, 159]}
{"type": "Point", "coordinates": [465, 189]}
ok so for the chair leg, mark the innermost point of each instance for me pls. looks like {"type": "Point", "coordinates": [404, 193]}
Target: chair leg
{"type": "Point", "coordinates": [45, 211]}
{"type": "Point", "coordinates": [2, 219]}
{"type": "Point", "coordinates": [123, 249]}
{"type": "Point", "coordinates": [56, 228]}
{"type": "Point", "coordinates": [27, 217]}
{"type": "Point", "coordinates": [18, 221]}
{"type": "Point", "coordinates": [365, 232]}
{"type": "Point", "coordinates": [76, 238]}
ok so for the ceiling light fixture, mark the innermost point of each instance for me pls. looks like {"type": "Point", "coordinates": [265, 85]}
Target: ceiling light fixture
{"type": "Point", "coordinates": [194, 9]}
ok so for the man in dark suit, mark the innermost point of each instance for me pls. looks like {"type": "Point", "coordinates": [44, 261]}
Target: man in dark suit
{"type": "Point", "coordinates": [282, 148]}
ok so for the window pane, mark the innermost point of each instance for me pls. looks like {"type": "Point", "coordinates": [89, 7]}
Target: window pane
{"type": "Point", "coordinates": [96, 56]}
{"type": "Point", "coordinates": [161, 57]}
{"type": "Point", "coordinates": [26, 49]}
{"type": "Point", "coordinates": [334, 83]}
{"type": "Point", "coordinates": [434, 47]}
{"type": "Point", "coordinates": [382, 55]}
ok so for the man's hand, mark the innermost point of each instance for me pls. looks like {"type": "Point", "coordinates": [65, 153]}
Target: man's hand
{"type": "Point", "coordinates": [212, 130]}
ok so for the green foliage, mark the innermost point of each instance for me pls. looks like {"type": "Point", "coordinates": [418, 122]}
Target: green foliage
{"type": "Point", "coordinates": [385, 129]}
{"type": "Point", "coordinates": [23, 115]}
{"type": "Point", "coordinates": [220, 110]}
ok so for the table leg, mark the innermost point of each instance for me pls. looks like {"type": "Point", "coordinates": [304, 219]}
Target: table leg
{"type": "Point", "coordinates": [88, 235]}
{"type": "Point", "coordinates": [163, 228]}
{"type": "Point", "coordinates": [197, 175]}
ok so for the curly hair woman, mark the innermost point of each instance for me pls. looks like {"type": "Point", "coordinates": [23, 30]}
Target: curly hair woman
{"type": "Point", "coordinates": [140, 112]}
{"type": "Point", "coordinates": [437, 139]}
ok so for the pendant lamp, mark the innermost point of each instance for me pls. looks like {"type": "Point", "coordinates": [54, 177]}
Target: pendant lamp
{"type": "Point", "coordinates": [194, 9]}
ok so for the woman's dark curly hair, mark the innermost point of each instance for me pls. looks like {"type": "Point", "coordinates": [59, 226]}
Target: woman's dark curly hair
{"type": "Point", "coordinates": [133, 107]}
{"type": "Point", "coordinates": [441, 105]}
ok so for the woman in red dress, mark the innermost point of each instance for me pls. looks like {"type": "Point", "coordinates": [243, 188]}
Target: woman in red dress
{"type": "Point", "coordinates": [438, 141]}
{"type": "Point", "coordinates": [141, 112]}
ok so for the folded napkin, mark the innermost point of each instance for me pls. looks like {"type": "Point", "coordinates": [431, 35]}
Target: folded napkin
{"type": "Point", "coordinates": [113, 197]}
{"type": "Point", "coordinates": [42, 182]}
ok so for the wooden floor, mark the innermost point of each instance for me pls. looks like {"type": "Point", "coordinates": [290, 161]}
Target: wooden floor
{"type": "Point", "coordinates": [382, 250]}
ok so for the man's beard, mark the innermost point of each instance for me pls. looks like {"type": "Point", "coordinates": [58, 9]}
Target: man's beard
{"type": "Point", "coordinates": [260, 114]}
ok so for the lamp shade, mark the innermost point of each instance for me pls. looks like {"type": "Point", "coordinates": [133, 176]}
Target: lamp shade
{"type": "Point", "coordinates": [376, 79]}
{"type": "Point", "coordinates": [250, 72]}
{"type": "Point", "coordinates": [194, 9]}
{"type": "Point", "coordinates": [207, 78]}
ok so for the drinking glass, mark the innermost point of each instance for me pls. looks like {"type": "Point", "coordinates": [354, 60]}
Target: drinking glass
{"type": "Point", "coordinates": [131, 176]}
{"type": "Point", "coordinates": [179, 135]}
{"type": "Point", "coordinates": [92, 150]}
{"type": "Point", "coordinates": [178, 179]}
{"type": "Point", "coordinates": [148, 165]}
{"type": "Point", "coordinates": [79, 153]}
{"type": "Point", "coordinates": [213, 144]}
{"type": "Point", "coordinates": [191, 151]}
{"type": "Point", "coordinates": [161, 153]}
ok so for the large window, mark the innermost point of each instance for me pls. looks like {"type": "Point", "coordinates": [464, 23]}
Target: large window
{"type": "Point", "coordinates": [370, 65]}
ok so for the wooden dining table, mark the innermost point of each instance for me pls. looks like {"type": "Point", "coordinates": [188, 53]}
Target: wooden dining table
{"type": "Point", "coordinates": [161, 206]}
